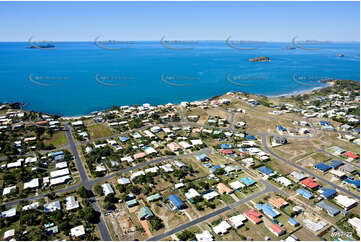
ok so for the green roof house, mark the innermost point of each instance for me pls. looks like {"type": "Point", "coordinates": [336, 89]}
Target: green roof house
{"type": "Point", "coordinates": [145, 213]}
{"type": "Point", "coordinates": [154, 197]}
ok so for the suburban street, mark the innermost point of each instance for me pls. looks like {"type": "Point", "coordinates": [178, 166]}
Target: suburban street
{"type": "Point", "coordinates": [268, 188]}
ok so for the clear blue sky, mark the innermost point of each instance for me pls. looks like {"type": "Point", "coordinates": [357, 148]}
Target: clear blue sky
{"type": "Point", "coordinates": [267, 21]}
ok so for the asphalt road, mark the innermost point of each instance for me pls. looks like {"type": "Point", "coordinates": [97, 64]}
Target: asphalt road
{"type": "Point", "coordinates": [103, 230]}
{"type": "Point", "coordinates": [268, 188]}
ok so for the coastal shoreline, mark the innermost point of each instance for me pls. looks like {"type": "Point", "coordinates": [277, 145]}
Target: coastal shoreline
{"type": "Point", "coordinates": [92, 113]}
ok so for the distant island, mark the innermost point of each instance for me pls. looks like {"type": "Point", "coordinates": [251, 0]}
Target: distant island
{"type": "Point", "coordinates": [45, 46]}
{"type": "Point", "coordinates": [260, 59]}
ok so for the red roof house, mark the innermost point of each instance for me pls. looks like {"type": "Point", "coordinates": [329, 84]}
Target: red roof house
{"type": "Point", "coordinates": [253, 215]}
{"type": "Point", "coordinates": [350, 154]}
{"type": "Point", "coordinates": [277, 230]}
{"type": "Point", "coordinates": [310, 183]}
{"type": "Point", "coordinates": [226, 152]}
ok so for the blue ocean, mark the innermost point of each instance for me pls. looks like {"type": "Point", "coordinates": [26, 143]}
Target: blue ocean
{"type": "Point", "coordinates": [76, 78]}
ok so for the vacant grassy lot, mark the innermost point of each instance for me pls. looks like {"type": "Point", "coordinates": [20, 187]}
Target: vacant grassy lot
{"type": "Point", "coordinates": [99, 131]}
{"type": "Point", "coordinates": [58, 139]}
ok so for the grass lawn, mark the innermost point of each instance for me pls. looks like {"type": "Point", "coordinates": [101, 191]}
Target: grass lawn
{"type": "Point", "coordinates": [99, 131]}
{"type": "Point", "coordinates": [227, 198]}
{"type": "Point", "coordinates": [58, 139]}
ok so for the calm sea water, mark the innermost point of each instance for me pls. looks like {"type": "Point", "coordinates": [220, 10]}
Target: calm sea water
{"type": "Point", "coordinates": [79, 77]}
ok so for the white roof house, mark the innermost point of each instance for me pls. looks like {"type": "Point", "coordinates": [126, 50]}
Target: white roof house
{"type": "Point", "coordinates": [107, 189]}
{"type": "Point", "coordinates": [284, 181]}
{"type": "Point", "coordinates": [179, 185]}
{"type": "Point", "coordinates": [167, 167]}
{"type": "Point", "coordinates": [100, 168]}
{"type": "Point", "coordinates": [237, 221]}
{"type": "Point", "coordinates": [61, 165]}
{"type": "Point", "coordinates": [77, 123]}
{"type": "Point", "coordinates": [31, 206]}
{"type": "Point", "coordinates": [153, 169]}
{"type": "Point", "coordinates": [196, 142]}
{"type": "Point", "coordinates": [9, 213]}
{"type": "Point", "coordinates": [191, 193]}
{"type": "Point", "coordinates": [34, 183]}
{"type": "Point", "coordinates": [210, 195]}
{"type": "Point", "coordinates": [123, 180]}
{"type": "Point", "coordinates": [9, 233]}
{"type": "Point", "coordinates": [51, 207]}
{"type": "Point", "coordinates": [149, 134]}
{"type": "Point", "coordinates": [355, 222]}
{"type": "Point", "coordinates": [59, 180]}
{"type": "Point", "coordinates": [222, 228]}
{"type": "Point", "coordinates": [236, 185]}
{"type": "Point", "coordinates": [15, 164]}
{"type": "Point", "coordinates": [185, 145]}
{"type": "Point", "coordinates": [71, 203]}
{"type": "Point", "coordinates": [127, 159]}
{"type": "Point", "coordinates": [150, 150]}
{"type": "Point", "coordinates": [345, 202]}
{"type": "Point", "coordinates": [8, 190]}
{"type": "Point", "coordinates": [61, 172]}
{"type": "Point", "coordinates": [204, 236]}
{"type": "Point", "coordinates": [135, 174]}
{"type": "Point", "coordinates": [77, 231]}
{"type": "Point", "coordinates": [178, 163]}
{"type": "Point", "coordinates": [30, 160]}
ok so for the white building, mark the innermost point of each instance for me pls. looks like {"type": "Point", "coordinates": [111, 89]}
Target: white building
{"type": "Point", "coordinates": [204, 236]}
{"type": "Point", "coordinates": [34, 183]}
{"type": "Point", "coordinates": [77, 231]}
{"type": "Point", "coordinates": [237, 221]}
{"type": "Point", "coordinates": [71, 203]}
{"type": "Point", "coordinates": [107, 189]}
{"type": "Point", "coordinates": [222, 228]}
{"type": "Point", "coordinates": [345, 202]}
{"type": "Point", "coordinates": [191, 193]}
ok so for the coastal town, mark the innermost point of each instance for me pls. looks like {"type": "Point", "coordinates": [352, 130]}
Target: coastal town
{"type": "Point", "coordinates": [233, 167]}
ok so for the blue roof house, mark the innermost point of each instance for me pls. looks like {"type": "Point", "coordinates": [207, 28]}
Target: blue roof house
{"type": "Point", "coordinates": [226, 146]}
{"type": "Point", "coordinates": [123, 139]}
{"type": "Point", "coordinates": [355, 183]}
{"type": "Point", "coordinates": [304, 193]}
{"type": "Point", "coordinates": [268, 210]}
{"type": "Point", "coordinates": [214, 168]}
{"type": "Point", "coordinates": [328, 193]}
{"type": "Point", "coordinates": [202, 157]}
{"type": "Point", "coordinates": [265, 170]}
{"type": "Point", "coordinates": [325, 123]}
{"type": "Point", "coordinates": [322, 167]}
{"type": "Point", "coordinates": [293, 222]}
{"type": "Point", "coordinates": [331, 210]}
{"type": "Point", "coordinates": [336, 164]}
{"type": "Point", "coordinates": [250, 137]}
{"type": "Point", "coordinates": [248, 181]}
{"type": "Point", "coordinates": [280, 128]}
{"type": "Point", "coordinates": [176, 202]}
